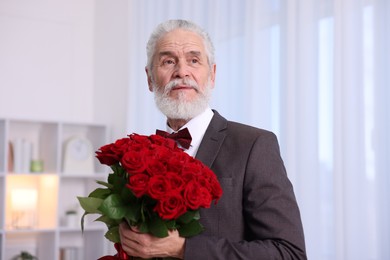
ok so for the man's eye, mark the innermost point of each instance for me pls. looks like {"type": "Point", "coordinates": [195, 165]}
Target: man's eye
{"type": "Point", "coordinates": [194, 61]}
{"type": "Point", "coordinates": [168, 62]}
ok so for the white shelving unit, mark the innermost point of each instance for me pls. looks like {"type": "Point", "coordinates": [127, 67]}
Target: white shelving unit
{"type": "Point", "coordinates": [48, 233]}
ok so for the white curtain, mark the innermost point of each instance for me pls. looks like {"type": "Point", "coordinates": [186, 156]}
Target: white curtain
{"type": "Point", "coordinates": [317, 73]}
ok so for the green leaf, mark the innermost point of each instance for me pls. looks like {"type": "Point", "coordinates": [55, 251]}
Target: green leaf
{"type": "Point", "coordinates": [100, 193]}
{"type": "Point", "coordinates": [109, 178]}
{"type": "Point", "coordinates": [133, 213]}
{"type": "Point", "coordinates": [191, 229]}
{"type": "Point", "coordinates": [171, 224]}
{"type": "Point", "coordinates": [90, 205]}
{"type": "Point", "coordinates": [143, 227]}
{"type": "Point", "coordinates": [148, 202]}
{"type": "Point", "coordinates": [118, 183]}
{"type": "Point", "coordinates": [158, 228]}
{"type": "Point", "coordinates": [197, 215]}
{"type": "Point", "coordinates": [113, 235]}
{"type": "Point", "coordinates": [128, 196]}
{"type": "Point", "coordinates": [188, 217]}
{"type": "Point", "coordinates": [108, 221]}
{"type": "Point", "coordinates": [118, 170]}
{"type": "Point", "coordinates": [108, 185]}
{"type": "Point", "coordinates": [113, 207]}
{"type": "Point", "coordinates": [82, 221]}
{"type": "Point", "coordinates": [147, 205]}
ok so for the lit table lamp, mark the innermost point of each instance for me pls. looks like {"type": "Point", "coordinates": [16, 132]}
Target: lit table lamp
{"type": "Point", "coordinates": [23, 204]}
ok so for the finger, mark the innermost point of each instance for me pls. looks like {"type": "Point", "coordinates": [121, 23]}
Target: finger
{"type": "Point", "coordinates": [135, 229]}
{"type": "Point", "coordinates": [129, 239]}
{"type": "Point", "coordinates": [133, 248]}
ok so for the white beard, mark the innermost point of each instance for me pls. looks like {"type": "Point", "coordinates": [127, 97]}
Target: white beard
{"type": "Point", "coordinates": [179, 107]}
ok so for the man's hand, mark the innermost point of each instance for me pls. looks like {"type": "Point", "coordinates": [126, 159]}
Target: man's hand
{"type": "Point", "coordinates": [146, 246]}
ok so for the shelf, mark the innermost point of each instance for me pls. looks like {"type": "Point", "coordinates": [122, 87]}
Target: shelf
{"type": "Point", "coordinates": [2, 203]}
{"type": "Point", "coordinates": [45, 188]}
{"type": "Point", "coordinates": [75, 187]}
{"type": "Point", "coordinates": [30, 231]}
{"type": "Point", "coordinates": [95, 176]}
{"type": "Point", "coordinates": [37, 138]}
{"type": "Point", "coordinates": [33, 205]}
{"type": "Point", "coordinates": [40, 244]}
{"type": "Point", "coordinates": [98, 227]}
{"type": "Point", "coordinates": [3, 147]}
{"type": "Point", "coordinates": [90, 247]}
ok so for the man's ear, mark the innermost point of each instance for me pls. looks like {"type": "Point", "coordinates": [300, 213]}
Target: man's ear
{"type": "Point", "coordinates": [149, 76]}
{"type": "Point", "coordinates": [212, 74]}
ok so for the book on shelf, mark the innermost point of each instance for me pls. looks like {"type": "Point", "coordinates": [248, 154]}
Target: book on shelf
{"type": "Point", "coordinates": [71, 253]}
{"type": "Point", "coordinates": [22, 156]}
{"type": "Point", "coordinates": [10, 157]}
{"type": "Point", "coordinates": [22, 150]}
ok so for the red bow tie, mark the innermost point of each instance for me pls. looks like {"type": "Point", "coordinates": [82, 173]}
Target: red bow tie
{"type": "Point", "coordinates": [183, 137]}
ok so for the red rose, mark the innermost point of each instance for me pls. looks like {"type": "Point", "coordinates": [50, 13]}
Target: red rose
{"type": "Point", "coordinates": [171, 207]}
{"type": "Point", "coordinates": [196, 196]}
{"type": "Point", "coordinates": [140, 139]}
{"type": "Point", "coordinates": [133, 162]}
{"type": "Point", "coordinates": [157, 139]}
{"type": "Point", "coordinates": [192, 167]}
{"type": "Point", "coordinates": [162, 141]}
{"type": "Point", "coordinates": [112, 153]}
{"type": "Point", "coordinates": [155, 167]}
{"type": "Point", "coordinates": [177, 161]}
{"type": "Point", "coordinates": [106, 155]}
{"type": "Point", "coordinates": [136, 147]}
{"type": "Point", "coordinates": [160, 152]}
{"type": "Point", "coordinates": [121, 146]}
{"type": "Point", "coordinates": [204, 182]}
{"type": "Point", "coordinates": [187, 177]}
{"type": "Point", "coordinates": [138, 184]}
{"type": "Point", "coordinates": [176, 182]}
{"type": "Point", "coordinates": [166, 181]}
{"type": "Point", "coordinates": [158, 187]}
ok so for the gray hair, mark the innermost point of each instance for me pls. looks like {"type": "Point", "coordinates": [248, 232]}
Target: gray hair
{"type": "Point", "coordinates": [170, 25]}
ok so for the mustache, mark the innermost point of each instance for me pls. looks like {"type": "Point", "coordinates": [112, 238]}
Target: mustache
{"type": "Point", "coordinates": [176, 82]}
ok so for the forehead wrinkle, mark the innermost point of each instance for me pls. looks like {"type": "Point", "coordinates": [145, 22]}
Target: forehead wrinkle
{"type": "Point", "coordinates": [181, 45]}
{"type": "Point", "coordinates": [195, 53]}
{"type": "Point", "coordinates": [165, 53]}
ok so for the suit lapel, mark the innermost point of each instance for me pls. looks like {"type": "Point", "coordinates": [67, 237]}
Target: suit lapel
{"type": "Point", "coordinates": [212, 140]}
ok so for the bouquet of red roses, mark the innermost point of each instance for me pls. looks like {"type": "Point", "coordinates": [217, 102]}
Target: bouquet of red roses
{"type": "Point", "coordinates": [154, 185]}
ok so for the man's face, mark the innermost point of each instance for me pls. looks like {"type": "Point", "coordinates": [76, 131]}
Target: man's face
{"type": "Point", "coordinates": [181, 56]}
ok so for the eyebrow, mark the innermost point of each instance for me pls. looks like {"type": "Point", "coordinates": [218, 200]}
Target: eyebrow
{"type": "Point", "coordinates": [165, 53]}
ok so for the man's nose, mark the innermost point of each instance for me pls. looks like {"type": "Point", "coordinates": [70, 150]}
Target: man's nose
{"type": "Point", "coordinates": [181, 70]}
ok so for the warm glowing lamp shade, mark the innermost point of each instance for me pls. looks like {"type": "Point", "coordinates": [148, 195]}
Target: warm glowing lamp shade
{"type": "Point", "coordinates": [23, 204]}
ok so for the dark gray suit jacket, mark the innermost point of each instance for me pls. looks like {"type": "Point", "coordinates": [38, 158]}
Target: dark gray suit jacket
{"type": "Point", "coordinates": [257, 216]}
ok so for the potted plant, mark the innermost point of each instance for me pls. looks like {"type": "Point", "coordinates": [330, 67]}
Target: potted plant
{"type": "Point", "coordinates": [25, 256]}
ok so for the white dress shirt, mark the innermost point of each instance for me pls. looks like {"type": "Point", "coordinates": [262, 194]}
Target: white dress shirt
{"type": "Point", "coordinates": [197, 127]}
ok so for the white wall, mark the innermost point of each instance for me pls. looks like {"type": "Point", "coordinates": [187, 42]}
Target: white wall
{"type": "Point", "coordinates": [111, 65]}
{"type": "Point", "coordinates": [64, 60]}
{"type": "Point", "coordinates": [46, 59]}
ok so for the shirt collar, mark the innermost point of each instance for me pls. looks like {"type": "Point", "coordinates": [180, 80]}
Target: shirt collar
{"type": "Point", "coordinates": [197, 127]}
